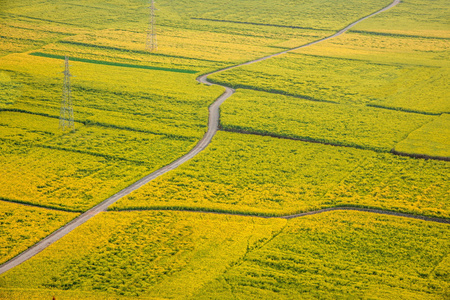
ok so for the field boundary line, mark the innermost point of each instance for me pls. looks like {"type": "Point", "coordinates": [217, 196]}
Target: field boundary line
{"type": "Point", "coordinates": [294, 216]}
{"type": "Point", "coordinates": [301, 139]}
{"type": "Point", "coordinates": [100, 124]}
{"type": "Point", "coordinates": [420, 156]}
{"type": "Point", "coordinates": [308, 98]}
{"type": "Point", "coordinates": [133, 51]}
{"type": "Point", "coordinates": [400, 35]}
{"type": "Point", "coordinates": [112, 64]}
{"type": "Point", "coordinates": [213, 125]}
{"type": "Point", "coordinates": [313, 141]}
{"type": "Point", "coordinates": [24, 203]}
{"type": "Point", "coordinates": [259, 24]}
{"type": "Point", "coordinates": [370, 210]}
{"type": "Point", "coordinates": [411, 111]}
{"type": "Point", "coordinates": [279, 92]}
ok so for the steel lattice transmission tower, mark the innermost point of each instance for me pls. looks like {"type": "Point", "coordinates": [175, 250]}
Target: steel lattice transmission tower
{"type": "Point", "coordinates": [151, 43]}
{"type": "Point", "coordinates": [66, 115]}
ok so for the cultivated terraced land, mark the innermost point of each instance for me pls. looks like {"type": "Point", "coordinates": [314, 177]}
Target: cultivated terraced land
{"type": "Point", "coordinates": [343, 122]}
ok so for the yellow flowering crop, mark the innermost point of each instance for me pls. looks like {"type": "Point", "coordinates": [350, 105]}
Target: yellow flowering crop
{"type": "Point", "coordinates": [22, 226]}
{"type": "Point", "coordinates": [267, 176]}
{"type": "Point", "coordinates": [429, 140]}
{"type": "Point", "coordinates": [348, 125]}
{"type": "Point", "coordinates": [343, 255]}
{"type": "Point", "coordinates": [186, 255]}
{"type": "Point", "coordinates": [159, 254]}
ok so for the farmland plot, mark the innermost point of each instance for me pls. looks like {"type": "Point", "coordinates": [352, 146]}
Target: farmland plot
{"type": "Point", "coordinates": [261, 175]}
{"type": "Point", "coordinates": [346, 81]}
{"type": "Point", "coordinates": [151, 254]}
{"type": "Point", "coordinates": [132, 119]}
{"type": "Point", "coordinates": [342, 255]}
{"type": "Point", "coordinates": [290, 117]}
{"type": "Point", "coordinates": [123, 131]}
{"type": "Point", "coordinates": [202, 256]}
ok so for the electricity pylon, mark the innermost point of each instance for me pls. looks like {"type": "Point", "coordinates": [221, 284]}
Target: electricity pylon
{"type": "Point", "coordinates": [151, 43]}
{"type": "Point", "coordinates": [66, 115]}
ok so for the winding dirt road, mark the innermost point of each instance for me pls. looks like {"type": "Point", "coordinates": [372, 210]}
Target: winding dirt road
{"type": "Point", "coordinates": [213, 125]}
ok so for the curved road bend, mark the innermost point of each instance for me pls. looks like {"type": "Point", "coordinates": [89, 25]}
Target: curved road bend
{"type": "Point", "coordinates": [213, 125]}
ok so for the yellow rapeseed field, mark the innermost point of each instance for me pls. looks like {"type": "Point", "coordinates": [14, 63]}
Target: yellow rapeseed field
{"type": "Point", "coordinates": [23, 226]}
{"type": "Point", "coordinates": [159, 254]}
{"type": "Point", "coordinates": [429, 140]}
{"type": "Point", "coordinates": [380, 87]}
{"type": "Point", "coordinates": [343, 255]}
{"type": "Point", "coordinates": [290, 117]}
{"type": "Point", "coordinates": [184, 255]}
{"type": "Point", "coordinates": [267, 176]}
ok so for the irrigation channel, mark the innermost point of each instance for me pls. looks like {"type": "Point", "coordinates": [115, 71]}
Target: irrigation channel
{"type": "Point", "coordinates": [213, 125]}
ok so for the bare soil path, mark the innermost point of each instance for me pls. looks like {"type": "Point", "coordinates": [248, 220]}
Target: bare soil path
{"type": "Point", "coordinates": [213, 125]}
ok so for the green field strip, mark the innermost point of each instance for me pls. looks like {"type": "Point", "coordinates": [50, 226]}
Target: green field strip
{"type": "Point", "coordinates": [91, 153]}
{"type": "Point", "coordinates": [135, 51]}
{"type": "Point", "coordinates": [106, 125]}
{"type": "Point", "coordinates": [101, 124]}
{"type": "Point", "coordinates": [41, 30]}
{"type": "Point", "coordinates": [195, 210]}
{"type": "Point", "coordinates": [406, 110]}
{"type": "Point", "coordinates": [114, 64]}
{"type": "Point", "coordinates": [229, 128]}
{"type": "Point", "coordinates": [19, 39]}
{"type": "Point", "coordinates": [38, 19]}
{"type": "Point", "coordinates": [272, 91]}
{"type": "Point", "coordinates": [367, 32]}
{"type": "Point", "coordinates": [88, 6]}
{"type": "Point", "coordinates": [29, 112]}
{"type": "Point", "coordinates": [360, 60]}
{"type": "Point", "coordinates": [259, 24]}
